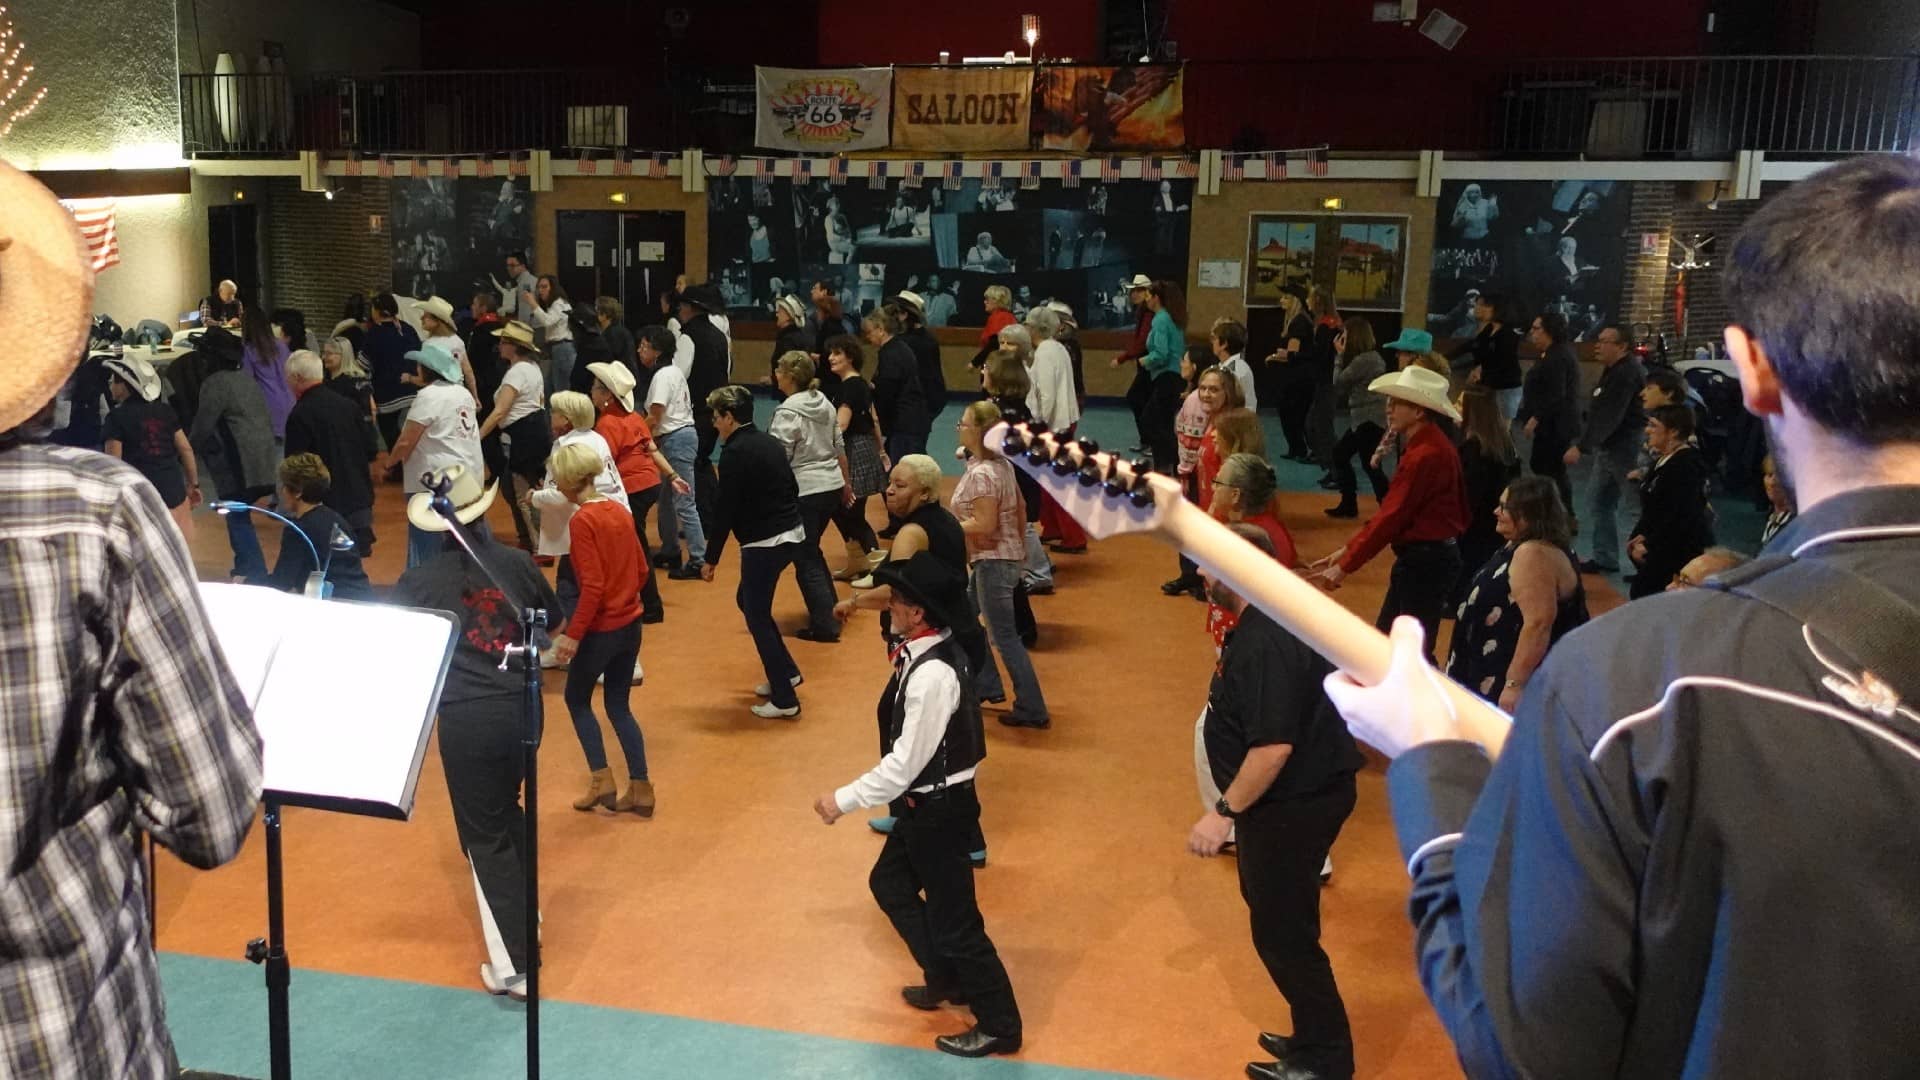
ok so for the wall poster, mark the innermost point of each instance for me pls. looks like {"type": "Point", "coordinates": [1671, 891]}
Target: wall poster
{"type": "Point", "coordinates": [451, 236]}
{"type": "Point", "coordinates": [827, 111]}
{"type": "Point", "coordinates": [960, 109]}
{"type": "Point", "coordinates": [1544, 245]}
{"type": "Point", "coordinates": [775, 236]}
{"type": "Point", "coordinates": [1100, 109]}
{"type": "Point", "coordinates": [1360, 258]}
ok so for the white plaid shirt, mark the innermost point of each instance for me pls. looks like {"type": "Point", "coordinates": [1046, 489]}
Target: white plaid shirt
{"type": "Point", "coordinates": [117, 715]}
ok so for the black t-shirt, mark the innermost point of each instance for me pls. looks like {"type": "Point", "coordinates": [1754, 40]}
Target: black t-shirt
{"type": "Point", "coordinates": [489, 621]}
{"type": "Point", "coordinates": [1267, 691]}
{"type": "Point", "coordinates": [145, 431]}
{"type": "Point", "coordinates": [854, 393]}
{"type": "Point", "coordinates": [290, 570]}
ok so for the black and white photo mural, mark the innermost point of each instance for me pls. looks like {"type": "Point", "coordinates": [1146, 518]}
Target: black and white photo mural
{"type": "Point", "coordinates": [450, 234]}
{"type": "Point", "coordinates": [772, 236]}
{"type": "Point", "coordinates": [1545, 245]}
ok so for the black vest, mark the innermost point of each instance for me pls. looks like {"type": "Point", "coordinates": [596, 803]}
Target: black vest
{"type": "Point", "coordinates": [965, 742]}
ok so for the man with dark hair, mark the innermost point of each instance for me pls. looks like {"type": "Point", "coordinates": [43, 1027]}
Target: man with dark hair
{"type": "Point", "coordinates": [699, 304]}
{"type": "Point", "coordinates": [926, 352]}
{"type": "Point", "coordinates": [520, 280]}
{"type": "Point", "coordinates": [931, 742]}
{"type": "Point", "coordinates": [1494, 352]}
{"type": "Point", "coordinates": [1284, 765]}
{"type": "Point", "coordinates": [1140, 391]}
{"type": "Point", "coordinates": [1612, 435]}
{"type": "Point", "coordinates": [1691, 852]}
{"type": "Point", "coordinates": [388, 342]}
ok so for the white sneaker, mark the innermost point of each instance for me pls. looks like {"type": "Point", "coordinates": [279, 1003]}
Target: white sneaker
{"type": "Point", "coordinates": [865, 582]}
{"type": "Point", "coordinates": [767, 710]}
{"type": "Point", "coordinates": [513, 986]}
{"type": "Point", "coordinates": [547, 661]}
{"type": "Point", "coordinates": [766, 689]}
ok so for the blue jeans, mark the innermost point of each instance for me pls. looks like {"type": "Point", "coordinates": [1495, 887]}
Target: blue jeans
{"type": "Point", "coordinates": [248, 560]}
{"type": "Point", "coordinates": [993, 583]}
{"type": "Point", "coordinates": [681, 510]}
{"type": "Point", "coordinates": [611, 653]}
{"type": "Point", "coordinates": [560, 356]}
{"type": "Point", "coordinates": [1608, 471]}
{"type": "Point", "coordinates": [760, 570]}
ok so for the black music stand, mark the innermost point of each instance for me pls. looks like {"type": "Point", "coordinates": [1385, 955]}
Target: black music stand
{"type": "Point", "coordinates": [352, 746]}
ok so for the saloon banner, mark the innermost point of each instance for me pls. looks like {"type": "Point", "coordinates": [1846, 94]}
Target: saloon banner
{"type": "Point", "coordinates": [822, 111]}
{"type": "Point", "coordinates": [961, 109]}
{"type": "Point", "coordinates": [1096, 109]}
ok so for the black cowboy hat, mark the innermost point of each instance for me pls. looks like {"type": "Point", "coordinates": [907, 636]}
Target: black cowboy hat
{"type": "Point", "coordinates": [930, 583]}
{"type": "Point", "coordinates": [705, 297]}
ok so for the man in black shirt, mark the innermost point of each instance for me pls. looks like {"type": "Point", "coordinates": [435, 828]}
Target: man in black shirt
{"type": "Point", "coordinates": [1612, 434]}
{"type": "Point", "coordinates": [926, 353]}
{"type": "Point", "coordinates": [1693, 852]}
{"type": "Point", "coordinates": [1285, 766]}
{"type": "Point", "coordinates": [333, 428]}
{"type": "Point", "coordinates": [1494, 352]}
{"type": "Point", "coordinates": [707, 373]}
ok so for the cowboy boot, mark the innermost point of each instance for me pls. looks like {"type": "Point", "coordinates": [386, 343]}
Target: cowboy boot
{"type": "Point", "coordinates": [638, 799]}
{"type": "Point", "coordinates": [856, 563]}
{"type": "Point", "coordinates": [600, 791]}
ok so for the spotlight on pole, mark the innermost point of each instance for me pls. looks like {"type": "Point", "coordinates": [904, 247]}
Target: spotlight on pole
{"type": "Point", "coordinates": [1030, 32]}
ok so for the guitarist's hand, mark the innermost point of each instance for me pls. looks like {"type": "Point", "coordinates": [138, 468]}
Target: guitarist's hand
{"type": "Point", "coordinates": [1331, 577]}
{"type": "Point", "coordinates": [1407, 708]}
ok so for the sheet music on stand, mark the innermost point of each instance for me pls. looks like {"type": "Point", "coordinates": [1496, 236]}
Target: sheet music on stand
{"type": "Point", "coordinates": [335, 739]}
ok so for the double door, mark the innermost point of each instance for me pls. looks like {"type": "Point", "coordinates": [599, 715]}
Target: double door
{"type": "Point", "coordinates": [632, 255]}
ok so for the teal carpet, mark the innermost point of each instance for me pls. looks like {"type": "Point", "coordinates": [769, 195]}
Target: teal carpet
{"type": "Point", "coordinates": [352, 1028]}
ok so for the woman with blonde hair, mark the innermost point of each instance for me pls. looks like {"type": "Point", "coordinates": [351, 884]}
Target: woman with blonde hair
{"type": "Point", "coordinates": [601, 642]}
{"type": "Point", "coordinates": [987, 504]}
{"type": "Point", "coordinates": [807, 426]}
{"type": "Point", "coordinates": [1008, 384]}
{"type": "Point", "coordinates": [998, 300]}
{"type": "Point", "coordinates": [571, 416]}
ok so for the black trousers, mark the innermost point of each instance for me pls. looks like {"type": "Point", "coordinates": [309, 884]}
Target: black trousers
{"type": "Point", "coordinates": [481, 754]}
{"type": "Point", "coordinates": [706, 482]}
{"type": "Point", "coordinates": [1360, 441]}
{"type": "Point", "coordinates": [853, 525]}
{"type": "Point", "coordinates": [810, 567]}
{"type": "Point", "coordinates": [923, 881]}
{"type": "Point", "coordinates": [1547, 459]}
{"type": "Point", "coordinates": [1420, 584]}
{"type": "Point", "coordinates": [1319, 419]}
{"type": "Point", "coordinates": [1162, 407]}
{"type": "Point", "coordinates": [1282, 846]}
{"type": "Point", "coordinates": [1293, 404]}
{"type": "Point", "coordinates": [1138, 394]}
{"type": "Point", "coordinates": [642, 501]}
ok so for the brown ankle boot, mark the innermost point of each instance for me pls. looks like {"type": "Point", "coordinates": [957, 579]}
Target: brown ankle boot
{"type": "Point", "coordinates": [600, 791]}
{"type": "Point", "coordinates": [638, 798]}
{"type": "Point", "coordinates": [856, 564]}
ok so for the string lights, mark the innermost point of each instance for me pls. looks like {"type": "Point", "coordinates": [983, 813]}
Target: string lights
{"type": "Point", "coordinates": [17, 102]}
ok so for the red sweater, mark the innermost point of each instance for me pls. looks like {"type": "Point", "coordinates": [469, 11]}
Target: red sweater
{"type": "Point", "coordinates": [996, 322]}
{"type": "Point", "coordinates": [1426, 501]}
{"type": "Point", "coordinates": [631, 441]}
{"type": "Point", "coordinates": [606, 559]}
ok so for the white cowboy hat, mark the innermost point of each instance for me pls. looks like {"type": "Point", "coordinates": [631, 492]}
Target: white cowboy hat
{"type": "Point", "coordinates": [791, 304]}
{"type": "Point", "coordinates": [470, 501]}
{"type": "Point", "coordinates": [1418, 386]}
{"type": "Point", "coordinates": [1140, 281]}
{"type": "Point", "coordinates": [520, 334]}
{"type": "Point", "coordinates": [46, 292]}
{"type": "Point", "coordinates": [138, 373]}
{"type": "Point", "coordinates": [1060, 309]}
{"type": "Point", "coordinates": [912, 300]}
{"type": "Point", "coordinates": [617, 379]}
{"type": "Point", "coordinates": [439, 309]}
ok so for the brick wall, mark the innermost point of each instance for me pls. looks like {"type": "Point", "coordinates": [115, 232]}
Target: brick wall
{"type": "Point", "coordinates": [1651, 211]}
{"type": "Point", "coordinates": [1674, 211]}
{"type": "Point", "coordinates": [320, 249]}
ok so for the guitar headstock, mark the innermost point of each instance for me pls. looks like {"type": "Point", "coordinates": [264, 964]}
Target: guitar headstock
{"type": "Point", "coordinates": [1106, 494]}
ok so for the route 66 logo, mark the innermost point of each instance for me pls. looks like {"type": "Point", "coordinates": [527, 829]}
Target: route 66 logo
{"type": "Point", "coordinates": [824, 109]}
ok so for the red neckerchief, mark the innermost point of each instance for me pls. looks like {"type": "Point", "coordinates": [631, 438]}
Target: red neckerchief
{"type": "Point", "coordinates": [894, 654]}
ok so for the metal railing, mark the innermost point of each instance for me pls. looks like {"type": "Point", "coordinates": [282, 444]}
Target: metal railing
{"type": "Point", "coordinates": [1657, 107]}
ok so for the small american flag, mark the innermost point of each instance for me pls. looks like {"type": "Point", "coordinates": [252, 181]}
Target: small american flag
{"type": "Point", "coordinates": [351, 166]}
{"type": "Point", "coordinates": [661, 165]}
{"type": "Point", "coordinates": [587, 166]}
{"type": "Point", "coordinates": [952, 182]}
{"type": "Point", "coordinates": [1070, 176]}
{"type": "Point", "coordinates": [1150, 169]}
{"type": "Point", "coordinates": [622, 164]}
{"type": "Point", "coordinates": [1317, 163]}
{"type": "Point", "coordinates": [995, 170]}
{"type": "Point", "coordinates": [1110, 169]}
{"type": "Point", "coordinates": [386, 169]}
{"type": "Point", "coordinates": [482, 168]}
{"type": "Point", "coordinates": [516, 166]}
{"type": "Point", "coordinates": [95, 218]}
{"type": "Point", "coordinates": [759, 168]}
{"type": "Point", "coordinates": [1233, 167]}
{"type": "Point", "coordinates": [1186, 169]}
{"type": "Point", "coordinates": [726, 166]}
{"type": "Point", "coordinates": [1276, 167]}
{"type": "Point", "coordinates": [916, 175]}
{"type": "Point", "coordinates": [836, 170]}
{"type": "Point", "coordinates": [1030, 175]}
{"type": "Point", "coordinates": [803, 170]}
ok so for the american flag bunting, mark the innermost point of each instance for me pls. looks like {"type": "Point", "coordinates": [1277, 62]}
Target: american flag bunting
{"type": "Point", "coordinates": [386, 169]}
{"type": "Point", "coordinates": [483, 167]}
{"type": "Point", "coordinates": [587, 166]}
{"type": "Point", "coordinates": [1276, 167]}
{"type": "Point", "coordinates": [916, 175]}
{"type": "Point", "coordinates": [622, 164]}
{"type": "Point", "coordinates": [952, 182]}
{"type": "Point", "coordinates": [1030, 175]}
{"type": "Point", "coordinates": [1150, 169]}
{"type": "Point", "coordinates": [1070, 176]}
{"type": "Point", "coordinates": [1186, 169]}
{"type": "Point", "coordinates": [836, 170]}
{"type": "Point", "coordinates": [1232, 167]}
{"type": "Point", "coordinates": [803, 170]}
{"type": "Point", "coordinates": [95, 218]}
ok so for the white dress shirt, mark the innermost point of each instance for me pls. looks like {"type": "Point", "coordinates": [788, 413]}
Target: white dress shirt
{"type": "Point", "coordinates": [930, 697]}
{"type": "Point", "coordinates": [1237, 366]}
{"type": "Point", "coordinates": [1052, 400]}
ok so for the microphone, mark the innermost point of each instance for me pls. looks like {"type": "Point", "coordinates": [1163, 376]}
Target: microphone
{"type": "Point", "coordinates": [439, 484]}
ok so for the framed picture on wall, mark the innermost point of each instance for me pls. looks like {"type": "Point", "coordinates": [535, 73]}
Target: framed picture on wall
{"type": "Point", "coordinates": [1360, 258]}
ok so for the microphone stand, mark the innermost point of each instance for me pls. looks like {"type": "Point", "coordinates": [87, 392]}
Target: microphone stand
{"type": "Point", "coordinates": [532, 620]}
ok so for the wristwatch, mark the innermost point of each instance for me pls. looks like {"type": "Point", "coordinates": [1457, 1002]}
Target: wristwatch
{"type": "Point", "coordinates": [1220, 807]}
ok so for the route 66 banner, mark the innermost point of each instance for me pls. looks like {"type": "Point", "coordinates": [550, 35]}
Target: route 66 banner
{"type": "Point", "coordinates": [826, 111]}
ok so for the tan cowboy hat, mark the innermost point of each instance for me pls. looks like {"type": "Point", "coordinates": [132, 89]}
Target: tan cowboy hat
{"type": "Point", "coordinates": [1418, 386]}
{"type": "Point", "coordinates": [520, 334]}
{"type": "Point", "coordinates": [439, 309]}
{"type": "Point", "coordinates": [46, 292]}
{"type": "Point", "coordinates": [470, 501]}
{"type": "Point", "coordinates": [617, 379]}
{"type": "Point", "coordinates": [138, 373]}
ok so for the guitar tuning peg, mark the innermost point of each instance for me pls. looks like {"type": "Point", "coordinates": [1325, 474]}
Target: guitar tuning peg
{"type": "Point", "coordinates": [1089, 447]}
{"type": "Point", "coordinates": [1036, 427]}
{"type": "Point", "coordinates": [1090, 472]}
{"type": "Point", "coordinates": [1063, 462]}
{"type": "Point", "coordinates": [1116, 480]}
{"type": "Point", "coordinates": [1141, 494]}
{"type": "Point", "coordinates": [1037, 453]}
{"type": "Point", "coordinates": [1015, 442]}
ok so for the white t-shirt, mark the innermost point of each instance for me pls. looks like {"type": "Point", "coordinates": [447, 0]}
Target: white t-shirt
{"type": "Point", "coordinates": [528, 387]}
{"type": "Point", "coordinates": [669, 388]}
{"type": "Point", "coordinates": [454, 347]}
{"type": "Point", "coordinates": [682, 349]}
{"type": "Point", "coordinates": [1237, 366]}
{"type": "Point", "coordinates": [556, 512]}
{"type": "Point", "coordinates": [452, 435]}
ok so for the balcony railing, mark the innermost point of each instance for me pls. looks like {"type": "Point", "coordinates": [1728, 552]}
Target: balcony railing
{"type": "Point", "coordinates": [1662, 107]}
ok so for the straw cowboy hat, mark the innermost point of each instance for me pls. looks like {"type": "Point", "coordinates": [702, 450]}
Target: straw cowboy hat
{"type": "Point", "coordinates": [617, 379]}
{"type": "Point", "coordinates": [1140, 281]}
{"type": "Point", "coordinates": [1062, 310]}
{"type": "Point", "coordinates": [138, 373]}
{"type": "Point", "coordinates": [440, 310]}
{"type": "Point", "coordinates": [46, 290]}
{"type": "Point", "coordinates": [470, 501]}
{"type": "Point", "coordinates": [1418, 386]}
{"type": "Point", "coordinates": [791, 304]}
{"type": "Point", "coordinates": [520, 334]}
{"type": "Point", "coordinates": [912, 300]}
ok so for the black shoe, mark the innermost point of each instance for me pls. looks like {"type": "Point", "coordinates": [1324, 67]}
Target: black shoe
{"type": "Point", "coordinates": [1011, 720]}
{"type": "Point", "coordinates": [687, 572]}
{"type": "Point", "coordinates": [1063, 549]}
{"type": "Point", "coordinates": [974, 1043]}
{"type": "Point", "coordinates": [1344, 510]}
{"type": "Point", "coordinates": [1274, 1044]}
{"type": "Point", "coordinates": [1280, 1070]}
{"type": "Point", "coordinates": [1588, 566]}
{"type": "Point", "coordinates": [927, 998]}
{"type": "Point", "coordinates": [997, 699]}
{"type": "Point", "coordinates": [1328, 483]}
{"type": "Point", "coordinates": [808, 633]}
{"type": "Point", "coordinates": [665, 561]}
{"type": "Point", "coordinates": [1180, 586]}
{"type": "Point", "coordinates": [652, 617]}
